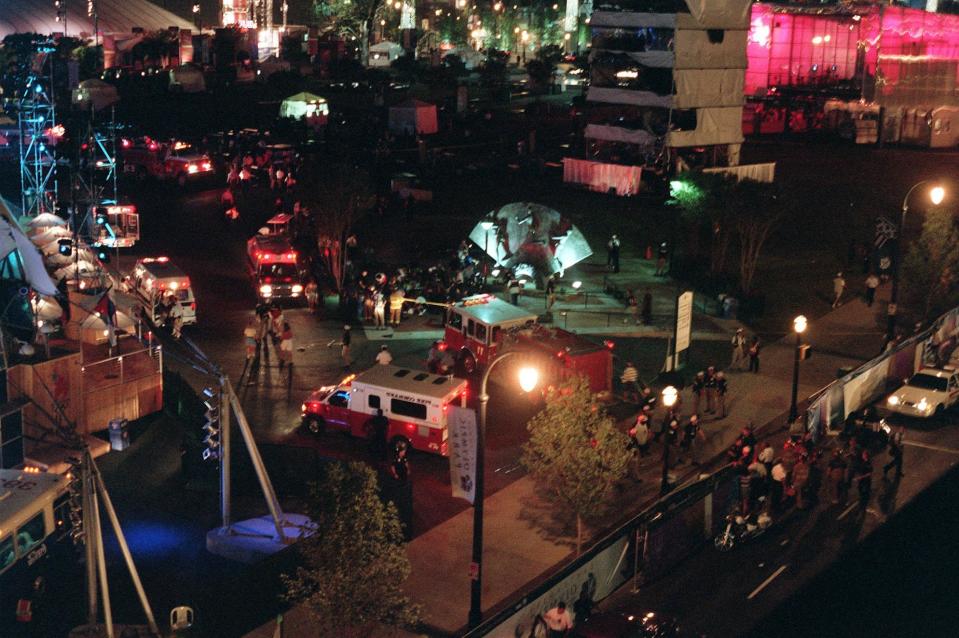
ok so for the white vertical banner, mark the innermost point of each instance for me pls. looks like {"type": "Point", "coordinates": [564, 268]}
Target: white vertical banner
{"type": "Point", "coordinates": [684, 320]}
{"type": "Point", "coordinates": [462, 432]}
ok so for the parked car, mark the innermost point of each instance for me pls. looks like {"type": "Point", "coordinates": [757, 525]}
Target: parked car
{"type": "Point", "coordinates": [927, 393]}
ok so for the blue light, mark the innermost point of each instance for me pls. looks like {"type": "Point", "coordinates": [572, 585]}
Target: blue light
{"type": "Point", "coordinates": [38, 88]}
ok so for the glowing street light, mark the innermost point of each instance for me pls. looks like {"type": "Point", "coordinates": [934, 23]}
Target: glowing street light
{"type": "Point", "coordinates": [670, 394]}
{"type": "Point", "coordinates": [528, 379]}
{"type": "Point", "coordinates": [577, 285]}
{"type": "Point", "coordinates": [799, 327]}
{"type": "Point", "coordinates": [936, 196]}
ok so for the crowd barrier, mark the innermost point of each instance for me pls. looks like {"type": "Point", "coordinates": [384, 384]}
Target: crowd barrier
{"type": "Point", "coordinates": [829, 407]}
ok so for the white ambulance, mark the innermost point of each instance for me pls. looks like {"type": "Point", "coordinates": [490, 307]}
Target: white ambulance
{"type": "Point", "coordinates": [416, 404]}
{"type": "Point", "coordinates": [156, 281]}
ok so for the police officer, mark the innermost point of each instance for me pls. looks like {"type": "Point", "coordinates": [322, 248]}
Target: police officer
{"type": "Point", "coordinates": [710, 387]}
{"type": "Point", "coordinates": [721, 389]}
{"type": "Point", "coordinates": [698, 387]}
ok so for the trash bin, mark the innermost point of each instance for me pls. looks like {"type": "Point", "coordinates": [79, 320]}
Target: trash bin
{"type": "Point", "coordinates": [119, 434]}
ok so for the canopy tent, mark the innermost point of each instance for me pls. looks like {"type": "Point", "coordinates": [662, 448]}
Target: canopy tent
{"type": "Point", "coordinates": [95, 93]}
{"type": "Point", "coordinates": [87, 270]}
{"type": "Point", "coordinates": [48, 235]}
{"type": "Point", "coordinates": [187, 78]}
{"type": "Point", "coordinates": [413, 117]}
{"type": "Point", "coordinates": [384, 53]}
{"type": "Point", "coordinates": [527, 236]}
{"type": "Point", "coordinates": [46, 308]}
{"type": "Point", "coordinates": [307, 106]}
{"type": "Point", "coordinates": [57, 261]}
{"type": "Point", "coordinates": [112, 16]}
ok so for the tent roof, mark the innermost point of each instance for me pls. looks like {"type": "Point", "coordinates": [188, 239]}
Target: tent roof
{"type": "Point", "coordinates": [386, 45]}
{"type": "Point", "coordinates": [305, 97]}
{"type": "Point", "coordinates": [115, 16]}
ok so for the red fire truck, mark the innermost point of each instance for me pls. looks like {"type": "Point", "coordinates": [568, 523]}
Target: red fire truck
{"type": "Point", "coordinates": [144, 157]}
{"type": "Point", "coordinates": [416, 404]}
{"type": "Point", "coordinates": [478, 327]}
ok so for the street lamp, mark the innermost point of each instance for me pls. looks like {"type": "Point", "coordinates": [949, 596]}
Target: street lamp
{"type": "Point", "coordinates": [528, 378]}
{"type": "Point", "coordinates": [936, 195]}
{"type": "Point", "coordinates": [524, 36]}
{"type": "Point", "coordinates": [799, 327]}
{"type": "Point", "coordinates": [196, 15]}
{"type": "Point", "coordinates": [670, 395]}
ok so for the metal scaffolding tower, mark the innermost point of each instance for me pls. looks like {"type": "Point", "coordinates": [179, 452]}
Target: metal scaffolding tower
{"type": "Point", "coordinates": [36, 116]}
{"type": "Point", "coordinates": [96, 173]}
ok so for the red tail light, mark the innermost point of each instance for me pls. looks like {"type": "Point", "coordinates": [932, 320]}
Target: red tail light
{"type": "Point", "coordinates": [193, 306]}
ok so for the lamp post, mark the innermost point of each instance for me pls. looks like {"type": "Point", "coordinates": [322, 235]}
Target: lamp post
{"type": "Point", "coordinates": [670, 395]}
{"type": "Point", "coordinates": [936, 195]}
{"type": "Point", "coordinates": [799, 326]}
{"type": "Point", "coordinates": [524, 36]}
{"type": "Point", "coordinates": [196, 15]}
{"type": "Point", "coordinates": [528, 378]}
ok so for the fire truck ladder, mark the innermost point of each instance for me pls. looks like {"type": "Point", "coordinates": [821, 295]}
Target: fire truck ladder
{"type": "Point", "coordinates": [36, 115]}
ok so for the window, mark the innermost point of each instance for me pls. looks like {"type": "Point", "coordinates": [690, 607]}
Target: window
{"type": "Point", "coordinates": [481, 332]}
{"type": "Point", "coordinates": [456, 321]}
{"type": "Point", "coordinates": [399, 407]}
{"type": "Point", "coordinates": [716, 36]}
{"type": "Point", "coordinates": [6, 553]}
{"type": "Point", "coordinates": [373, 401]}
{"type": "Point", "coordinates": [30, 534]}
{"type": "Point", "coordinates": [421, 376]}
{"type": "Point", "coordinates": [341, 399]}
{"type": "Point", "coordinates": [497, 332]}
{"type": "Point", "coordinates": [401, 373]}
{"type": "Point", "coordinates": [927, 382]}
{"type": "Point", "coordinates": [471, 327]}
{"type": "Point", "coordinates": [61, 515]}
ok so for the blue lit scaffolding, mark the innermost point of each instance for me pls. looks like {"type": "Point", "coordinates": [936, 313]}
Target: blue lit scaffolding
{"type": "Point", "coordinates": [36, 116]}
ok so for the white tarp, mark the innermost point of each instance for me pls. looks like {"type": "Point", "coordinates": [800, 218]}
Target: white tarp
{"type": "Point", "coordinates": [695, 51]}
{"type": "Point", "coordinates": [619, 134]}
{"type": "Point", "coordinates": [716, 14]}
{"type": "Point", "coordinates": [697, 88]}
{"type": "Point", "coordinates": [631, 19]}
{"type": "Point", "coordinates": [865, 388]}
{"type": "Point", "coordinates": [413, 117]}
{"type": "Point", "coordinates": [721, 125]}
{"type": "Point", "coordinates": [765, 172]}
{"type": "Point", "coordinates": [625, 96]}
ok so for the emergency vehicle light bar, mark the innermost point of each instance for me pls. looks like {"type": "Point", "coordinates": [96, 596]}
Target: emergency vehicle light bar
{"type": "Point", "coordinates": [477, 300]}
{"type": "Point", "coordinates": [150, 260]}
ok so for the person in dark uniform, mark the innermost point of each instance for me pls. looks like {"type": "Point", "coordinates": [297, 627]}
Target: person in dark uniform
{"type": "Point", "coordinates": [377, 428]}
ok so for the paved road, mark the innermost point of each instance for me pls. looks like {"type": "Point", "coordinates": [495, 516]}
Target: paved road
{"type": "Point", "coordinates": [729, 594]}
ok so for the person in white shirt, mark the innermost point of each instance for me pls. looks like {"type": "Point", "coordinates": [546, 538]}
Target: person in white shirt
{"type": "Point", "coordinates": [558, 621]}
{"type": "Point", "coordinates": [383, 357]}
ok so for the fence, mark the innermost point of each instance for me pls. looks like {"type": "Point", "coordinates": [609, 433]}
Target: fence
{"type": "Point", "coordinates": [643, 549]}
{"type": "Point", "coordinates": [123, 368]}
{"type": "Point", "coordinates": [829, 407]}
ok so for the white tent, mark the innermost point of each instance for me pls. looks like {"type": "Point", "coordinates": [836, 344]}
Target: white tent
{"type": "Point", "coordinates": [88, 270]}
{"type": "Point", "coordinates": [44, 220]}
{"type": "Point", "coordinates": [97, 93]}
{"type": "Point", "coordinates": [46, 308]}
{"type": "Point", "coordinates": [305, 105]}
{"type": "Point", "coordinates": [383, 53]}
{"type": "Point", "coordinates": [50, 235]}
{"type": "Point", "coordinates": [187, 79]}
{"type": "Point", "coordinates": [413, 117]}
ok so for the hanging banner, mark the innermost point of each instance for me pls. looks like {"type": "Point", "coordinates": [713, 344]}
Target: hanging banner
{"type": "Point", "coordinates": [684, 320]}
{"type": "Point", "coordinates": [462, 431]}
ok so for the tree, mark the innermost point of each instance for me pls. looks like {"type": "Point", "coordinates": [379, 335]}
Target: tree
{"type": "Point", "coordinates": [337, 195]}
{"type": "Point", "coordinates": [540, 75]}
{"type": "Point", "coordinates": [493, 73]}
{"type": "Point", "coordinates": [575, 453]}
{"type": "Point", "coordinates": [701, 198]}
{"type": "Point", "coordinates": [756, 209]}
{"type": "Point", "coordinates": [354, 562]}
{"type": "Point", "coordinates": [350, 18]}
{"type": "Point", "coordinates": [930, 271]}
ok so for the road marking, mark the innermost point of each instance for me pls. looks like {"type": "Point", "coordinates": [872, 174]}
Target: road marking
{"type": "Point", "coordinates": [846, 511]}
{"type": "Point", "coordinates": [929, 446]}
{"type": "Point", "coordinates": [766, 582]}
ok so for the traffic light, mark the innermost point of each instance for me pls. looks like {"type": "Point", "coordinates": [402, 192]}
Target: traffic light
{"type": "Point", "coordinates": [211, 423]}
{"type": "Point", "coordinates": [65, 246]}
